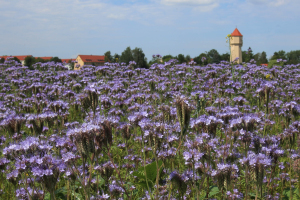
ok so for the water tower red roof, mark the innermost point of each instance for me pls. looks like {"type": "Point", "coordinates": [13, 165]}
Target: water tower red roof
{"type": "Point", "coordinates": [236, 32]}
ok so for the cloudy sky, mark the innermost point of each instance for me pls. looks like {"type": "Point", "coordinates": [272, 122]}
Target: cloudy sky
{"type": "Point", "coordinates": [66, 28]}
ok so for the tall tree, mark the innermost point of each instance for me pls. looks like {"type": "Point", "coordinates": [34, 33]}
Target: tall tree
{"type": "Point", "coordinates": [2, 60]}
{"type": "Point", "coordinates": [201, 61]}
{"type": "Point", "coordinates": [126, 56]}
{"type": "Point", "coordinates": [247, 55]}
{"type": "Point", "coordinates": [40, 60]}
{"type": "Point", "coordinates": [166, 58]}
{"type": "Point", "coordinates": [188, 58]}
{"type": "Point", "coordinates": [29, 61]}
{"type": "Point", "coordinates": [225, 57]}
{"type": "Point", "coordinates": [108, 57]}
{"type": "Point", "coordinates": [139, 57]}
{"type": "Point", "coordinates": [256, 57]}
{"type": "Point", "coordinates": [214, 56]}
{"type": "Point", "coordinates": [263, 58]}
{"type": "Point", "coordinates": [16, 59]}
{"type": "Point", "coordinates": [116, 58]}
{"type": "Point", "coordinates": [279, 55]}
{"type": "Point", "coordinates": [55, 59]}
{"type": "Point", "coordinates": [181, 58]}
{"type": "Point", "coordinates": [293, 57]}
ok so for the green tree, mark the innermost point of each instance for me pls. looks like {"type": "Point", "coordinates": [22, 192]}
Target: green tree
{"type": "Point", "coordinates": [29, 61]}
{"type": "Point", "coordinates": [188, 58]}
{"type": "Point", "coordinates": [180, 58]}
{"type": "Point", "coordinates": [225, 57]}
{"type": "Point", "coordinates": [55, 59]}
{"type": "Point", "coordinates": [166, 58]}
{"type": "Point", "coordinates": [126, 56]}
{"type": "Point", "coordinates": [279, 55]}
{"type": "Point", "coordinates": [139, 57]}
{"type": "Point", "coordinates": [263, 58]}
{"type": "Point", "coordinates": [40, 60]}
{"type": "Point", "coordinates": [256, 57]}
{"type": "Point", "coordinates": [247, 55]}
{"type": "Point", "coordinates": [293, 57]}
{"type": "Point", "coordinates": [17, 59]}
{"type": "Point", "coordinates": [108, 57]}
{"type": "Point", "coordinates": [198, 59]}
{"type": "Point", "coordinates": [116, 58]}
{"type": "Point", "coordinates": [214, 56]}
{"type": "Point", "coordinates": [2, 60]}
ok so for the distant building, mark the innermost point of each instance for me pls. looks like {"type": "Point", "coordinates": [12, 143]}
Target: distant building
{"type": "Point", "coordinates": [264, 65]}
{"type": "Point", "coordinates": [44, 58]}
{"type": "Point", "coordinates": [236, 43]}
{"type": "Point", "coordinates": [89, 60]}
{"type": "Point", "coordinates": [66, 62]}
{"type": "Point", "coordinates": [21, 58]}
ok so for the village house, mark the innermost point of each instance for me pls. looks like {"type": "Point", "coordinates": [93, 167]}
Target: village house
{"type": "Point", "coordinates": [67, 63]}
{"type": "Point", "coordinates": [44, 58]}
{"type": "Point", "coordinates": [89, 60]}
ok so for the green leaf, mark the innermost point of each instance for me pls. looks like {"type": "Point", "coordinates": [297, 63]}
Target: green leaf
{"type": "Point", "coordinates": [213, 190]}
{"type": "Point", "coordinates": [139, 174]}
{"type": "Point", "coordinates": [296, 194]}
{"type": "Point", "coordinates": [61, 193]}
{"type": "Point", "coordinates": [77, 195]}
{"type": "Point", "coordinates": [287, 193]}
{"type": "Point", "coordinates": [47, 196]}
{"type": "Point", "coordinates": [151, 174]}
{"type": "Point", "coordinates": [252, 195]}
{"type": "Point", "coordinates": [144, 184]}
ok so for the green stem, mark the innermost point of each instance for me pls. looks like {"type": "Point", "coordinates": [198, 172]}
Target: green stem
{"type": "Point", "coordinates": [145, 167]}
{"type": "Point", "coordinates": [52, 195]}
{"type": "Point", "coordinates": [291, 192]}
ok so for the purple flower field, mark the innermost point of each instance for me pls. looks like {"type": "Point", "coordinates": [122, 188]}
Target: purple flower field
{"type": "Point", "coordinates": [221, 131]}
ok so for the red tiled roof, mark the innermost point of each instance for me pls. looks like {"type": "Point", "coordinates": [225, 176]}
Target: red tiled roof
{"type": "Point", "coordinates": [236, 32]}
{"type": "Point", "coordinates": [92, 58]}
{"type": "Point", "coordinates": [265, 65]}
{"type": "Point", "coordinates": [45, 58]}
{"type": "Point", "coordinates": [19, 57]}
{"type": "Point", "coordinates": [67, 60]}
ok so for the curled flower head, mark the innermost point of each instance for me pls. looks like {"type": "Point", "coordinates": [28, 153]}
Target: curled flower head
{"type": "Point", "coordinates": [179, 182]}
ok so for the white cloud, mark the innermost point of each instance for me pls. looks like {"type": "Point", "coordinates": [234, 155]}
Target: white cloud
{"type": "Point", "coordinates": [206, 8]}
{"type": "Point", "coordinates": [278, 2]}
{"type": "Point", "coordinates": [53, 26]}
{"type": "Point", "coordinates": [269, 2]}
{"type": "Point", "coordinates": [188, 2]}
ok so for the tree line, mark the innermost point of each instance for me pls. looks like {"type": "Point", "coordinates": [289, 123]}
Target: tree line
{"type": "Point", "coordinates": [212, 56]}
{"type": "Point", "coordinates": [30, 60]}
{"type": "Point", "coordinates": [128, 55]}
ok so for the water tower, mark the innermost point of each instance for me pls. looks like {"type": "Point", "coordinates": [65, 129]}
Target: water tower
{"type": "Point", "coordinates": [236, 43]}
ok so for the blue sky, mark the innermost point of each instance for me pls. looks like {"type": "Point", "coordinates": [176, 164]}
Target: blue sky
{"type": "Point", "coordinates": [66, 28]}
